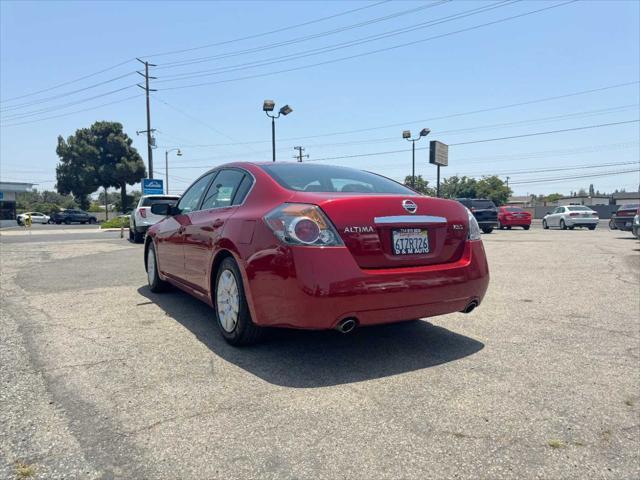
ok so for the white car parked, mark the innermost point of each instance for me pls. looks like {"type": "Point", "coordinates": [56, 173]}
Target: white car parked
{"type": "Point", "coordinates": [36, 217]}
{"type": "Point", "coordinates": [141, 218]}
{"type": "Point", "coordinates": [570, 217]}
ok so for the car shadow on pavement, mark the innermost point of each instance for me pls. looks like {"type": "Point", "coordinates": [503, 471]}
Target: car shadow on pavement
{"type": "Point", "coordinates": [310, 359]}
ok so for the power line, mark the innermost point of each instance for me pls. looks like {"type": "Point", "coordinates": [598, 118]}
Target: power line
{"type": "Point", "coordinates": [305, 38]}
{"type": "Point", "coordinates": [370, 154]}
{"type": "Point", "coordinates": [572, 177]}
{"type": "Point", "coordinates": [562, 169]}
{"type": "Point", "coordinates": [20, 116]}
{"type": "Point", "coordinates": [545, 133]}
{"type": "Point", "coordinates": [263, 34]}
{"type": "Point", "coordinates": [326, 62]}
{"type": "Point", "coordinates": [66, 94]}
{"type": "Point", "coordinates": [69, 113]}
{"type": "Point", "coordinates": [69, 82]}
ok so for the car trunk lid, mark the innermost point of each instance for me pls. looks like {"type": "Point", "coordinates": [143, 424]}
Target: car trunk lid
{"type": "Point", "coordinates": [381, 232]}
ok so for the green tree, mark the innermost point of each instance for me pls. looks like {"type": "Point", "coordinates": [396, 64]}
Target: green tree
{"type": "Point", "coordinates": [45, 202]}
{"type": "Point", "coordinates": [553, 197]}
{"type": "Point", "coordinates": [458, 187]}
{"type": "Point", "coordinates": [494, 188]}
{"type": "Point", "coordinates": [421, 186]}
{"type": "Point", "coordinates": [99, 156]}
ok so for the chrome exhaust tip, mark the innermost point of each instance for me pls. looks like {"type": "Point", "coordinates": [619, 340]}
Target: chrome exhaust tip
{"type": "Point", "coordinates": [470, 307]}
{"type": "Point", "coordinates": [347, 325]}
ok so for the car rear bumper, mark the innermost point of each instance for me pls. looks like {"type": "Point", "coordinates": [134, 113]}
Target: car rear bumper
{"type": "Point", "coordinates": [516, 222]}
{"type": "Point", "coordinates": [624, 223]}
{"type": "Point", "coordinates": [317, 288]}
{"type": "Point", "coordinates": [582, 222]}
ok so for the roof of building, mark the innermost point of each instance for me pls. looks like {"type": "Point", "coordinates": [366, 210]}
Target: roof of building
{"type": "Point", "coordinates": [15, 186]}
{"type": "Point", "coordinates": [626, 195]}
{"type": "Point", "coordinates": [585, 196]}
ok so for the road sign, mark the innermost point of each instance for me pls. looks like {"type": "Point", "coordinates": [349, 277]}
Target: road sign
{"type": "Point", "coordinates": [152, 186]}
{"type": "Point", "coordinates": [438, 153]}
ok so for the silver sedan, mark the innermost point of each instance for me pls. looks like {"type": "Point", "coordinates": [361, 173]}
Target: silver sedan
{"type": "Point", "coordinates": [570, 217]}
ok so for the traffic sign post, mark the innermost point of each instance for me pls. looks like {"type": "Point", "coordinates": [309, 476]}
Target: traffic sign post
{"type": "Point", "coordinates": [439, 156]}
{"type": "Point", "coordinates": [152, 186]}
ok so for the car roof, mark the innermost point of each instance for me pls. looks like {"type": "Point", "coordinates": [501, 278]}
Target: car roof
{"type": "Point", "coordinates": [156, 195]}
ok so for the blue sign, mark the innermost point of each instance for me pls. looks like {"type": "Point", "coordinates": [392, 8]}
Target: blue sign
{"type": "Point", "coordinates": [152, 186]}
{"type": "Point", "coordinates": [1, 195]}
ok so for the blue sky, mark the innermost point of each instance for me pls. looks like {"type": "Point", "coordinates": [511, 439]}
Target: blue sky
{"type": "Point", "coordinates": [576, 47]}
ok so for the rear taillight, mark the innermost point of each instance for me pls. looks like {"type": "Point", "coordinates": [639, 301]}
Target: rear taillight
{"type": "Point", "coordinates": [143, 212]}
{"type": "Point", "coordinates": [574, 214]}
{"type": "Point", "coordinates": [474, 228]}
{"type": "Point", "coordinates": [302, 224]}
{"type": "Point", "coordinates": [594, 214]}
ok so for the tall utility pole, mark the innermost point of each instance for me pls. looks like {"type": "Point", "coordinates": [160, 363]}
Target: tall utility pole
{"type": "Point", "coordinates": [149, 130]}
{"type": "Point", "coordinates": [508, 182]}
{"type": "Point", "coordinates": [299, 156]}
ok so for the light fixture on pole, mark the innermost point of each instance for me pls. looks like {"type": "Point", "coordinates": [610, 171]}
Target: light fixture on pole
{"type": "Point", "coordinates": [406, 134]}
{"type": "Point", "coordinates": [166, 167]}
{"type": "Point", "coordinates": [269, 106]}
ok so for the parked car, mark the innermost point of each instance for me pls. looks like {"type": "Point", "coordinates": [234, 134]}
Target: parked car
{"type": "Point", "coordinates": [142, 218]}
{"type": "Point", "coordinates": [570, 217]}
{"type": "Point", "coordinates": [72, 215]}
{"type": "Point", "coordinates": [314, 247]}
{"type": "Point", "coordinates": [36, 217]}
{"type": "Point", "coordinates": [623, 218]}
{"type": "Point", "coordinates": [635, 229]}
{"type": "Point", "coordinates": [513, 217]}
{"type": "Point", "coordinates": [484, 210]}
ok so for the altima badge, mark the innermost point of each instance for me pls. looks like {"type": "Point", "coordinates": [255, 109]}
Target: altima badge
{"type": "Point", "coordinates": [365, 229]}
{"type": "Point", "coordinates": [409, 206]}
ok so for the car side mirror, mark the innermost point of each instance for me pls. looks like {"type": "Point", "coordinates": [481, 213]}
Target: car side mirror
{"type": "Point", "coordinates": [163, 209]}
{"type": "Point", "coordinates": [548, 213]}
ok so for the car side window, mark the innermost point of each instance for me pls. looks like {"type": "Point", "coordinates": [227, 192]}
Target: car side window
{"type": "Point", "coordinates": [191, 198]}
{"type": "Point", "coordinates": [243, 190]}
{"type": "Point", "coordinates": [559, 209]}
{"type": "Point", "coordinates": [223, 189]}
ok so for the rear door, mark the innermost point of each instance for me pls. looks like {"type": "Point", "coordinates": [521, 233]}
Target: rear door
{"type": "Point", "coordinates": [170, 233]}
{"type": "Point", "coordinates": [205, 226]}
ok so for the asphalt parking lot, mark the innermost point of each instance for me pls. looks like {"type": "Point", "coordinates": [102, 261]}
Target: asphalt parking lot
{"type": "Point", "coordinates": [102, 379]}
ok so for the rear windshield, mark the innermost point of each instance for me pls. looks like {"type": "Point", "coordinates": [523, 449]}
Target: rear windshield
{"type": "Point", "coordinates": [325, 178]}
{"type": "Point", "coordinates": [147, 202]}
{"type": "Point", "coordinates": [482, 204]}
{"type": "Point", "coordinates": [579, 209]}
{"type": "Point", "coordinates": [629, 206]}
{"type": "Point", "coordinates": [514, 209]}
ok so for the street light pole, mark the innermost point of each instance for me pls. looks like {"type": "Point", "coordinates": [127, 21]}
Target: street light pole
{"type": "Point", "coordinates": [166, 167]}
{"type": "Point", "coordinates": [268, 106]}
{"type": "Point", "coordinates": [407, 136]}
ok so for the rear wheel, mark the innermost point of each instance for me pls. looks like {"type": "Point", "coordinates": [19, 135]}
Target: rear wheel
{"type": "Point", "coordinates": [156, 285]}
{"type": "Point", "coordinates": [230, 306]}
{"type": "Point", "coordinates": [612, 224]}
{"type": "Point", "coordinates": [592, 227]}
{"type": "Point", "coordinates": [92, 221]}
{"type": "Point", "coordinates": [526, 227]}
{"type": "Point", "coordinates": [544, 225]}
{"type": "Point", "coordinates": [137, 237]}
{"type": "Point", "coordinates": [487, 229]}
{"type": "Point", "coordinates": [563, 226]}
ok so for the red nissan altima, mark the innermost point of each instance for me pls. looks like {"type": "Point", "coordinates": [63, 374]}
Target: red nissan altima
{"type": "Point", "coordinates": [316, 247]}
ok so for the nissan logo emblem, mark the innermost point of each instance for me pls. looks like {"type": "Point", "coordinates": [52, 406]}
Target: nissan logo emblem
{"type": "Point", "coordinates": [409, 206]}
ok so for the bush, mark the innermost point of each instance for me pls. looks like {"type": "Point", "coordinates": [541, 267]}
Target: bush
{"type": "Point", "coordinates": [117, 222]}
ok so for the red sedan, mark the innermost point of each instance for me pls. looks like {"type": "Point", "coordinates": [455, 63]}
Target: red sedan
{"type": "Point", "coordinates": [315, 247]}
{"type": "Point", "coordinates": [513, 217]}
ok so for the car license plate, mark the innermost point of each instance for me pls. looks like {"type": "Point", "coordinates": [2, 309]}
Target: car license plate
{"type": "Point", "coordinates": [410, 241]}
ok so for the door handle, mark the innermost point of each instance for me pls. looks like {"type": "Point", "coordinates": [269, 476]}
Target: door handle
{"type": "Point", "coordinates": [218, 222]}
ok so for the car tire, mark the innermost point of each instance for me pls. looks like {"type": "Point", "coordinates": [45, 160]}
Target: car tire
{"type": "Point", "coordinates": [230, 306]}
{"type": "Point", "coordinates": [92, 221]}
{"type": "Point", "coordinates": [156, 285]}
{"type": "Point", "coordinates": [500, 226]}
{"type": "Point", "coordinates": [592, 227]}
{"type": "Point", "coordinates": [526, 227]}
{"type": "Point", "coordinates": [137, 237]}
{"type": "Point", "coordinates": [612, 224]}
{"type": "Point", "coordinates": [563, 226]}
{"type": "Point", "coordinates": [508, 227]}
{"type": "Point", "coordinates": [544, 225]}
{"type": "Point", "coordinates": [131, 235]}
{"type": "Point", "coordinates": [487, 229]}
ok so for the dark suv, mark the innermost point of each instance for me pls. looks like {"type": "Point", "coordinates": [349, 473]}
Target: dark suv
{"type": "Point", "coordinates": [72, 216]}
{"type": "Point", "coordinates": [623, 218]}
{"type": "Point", "coordinates": [484, 210]}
